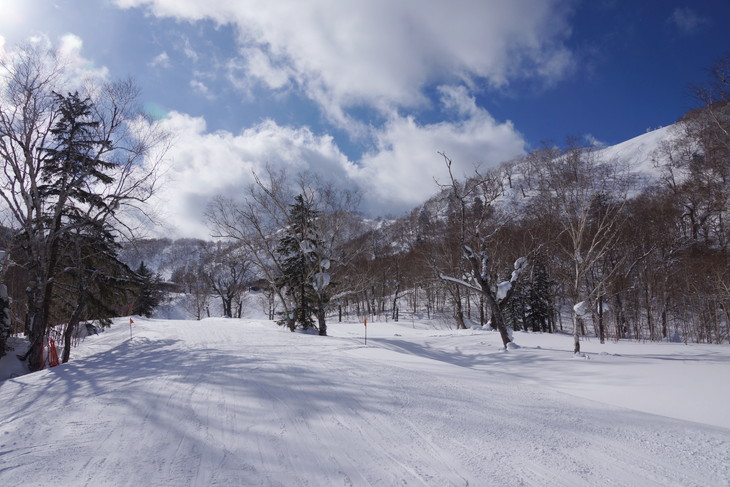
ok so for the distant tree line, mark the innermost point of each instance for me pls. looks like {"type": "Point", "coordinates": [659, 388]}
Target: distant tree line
{"type": "Point", "coordinates": [599, 250]}
{"type": "Point", "coordinates": [618, 257]}
{"type": "Point", "coordinates": [564, 239]}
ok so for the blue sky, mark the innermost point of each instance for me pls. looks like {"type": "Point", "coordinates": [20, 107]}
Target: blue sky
{"type": "Point", "coordinates": [366, 93]}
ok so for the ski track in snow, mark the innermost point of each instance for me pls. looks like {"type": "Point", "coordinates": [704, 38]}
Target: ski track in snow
{"type": "Point", "coordinates": [227, 402]}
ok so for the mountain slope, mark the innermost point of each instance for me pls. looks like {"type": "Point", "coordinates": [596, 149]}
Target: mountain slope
{"type": "Point", "coordinates": [639, 151]}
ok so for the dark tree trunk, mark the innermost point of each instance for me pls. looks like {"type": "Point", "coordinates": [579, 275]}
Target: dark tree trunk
{"type": "Point", "coordinates": [601, 327]}
{"type": "Point", "coordinates": [459, 312]}
{"type": "Point", "coordinates": [321, 322]}
{"type": "Point", "coordinates": [73, 323]}
{"type": "Point", "coordinates": [227, 305]}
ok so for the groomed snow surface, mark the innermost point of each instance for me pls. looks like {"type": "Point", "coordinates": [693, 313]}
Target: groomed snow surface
{"type": "Point", "coordinates": [247, 403]}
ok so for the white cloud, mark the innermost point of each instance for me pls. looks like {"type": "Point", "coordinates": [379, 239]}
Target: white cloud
{"type": "Point", "coordinates": [187, 49]}
{"type": "Point", "coordinates": [593, 141]}
{"type": "Point", "coordinates": [398, 174]}
{"type": "Point", "coordinates": [162, 60]}
{"type": "Point", "coordinates": [379, 55]}
{"type": "Point", "coordinates": [258, 66]}
{"type": "Point", "coordinates": [686, 20]}
{"type": "Point", "coordinates": [205, 164]}
{"type": "Point", "coordinates": [70, 45]}
{"type": "Point", "coordinates": [201, 88]}
{"type": "Point", "coordinates": [382, 53]}
{"type": "Point", "coordinates": [78, 70]}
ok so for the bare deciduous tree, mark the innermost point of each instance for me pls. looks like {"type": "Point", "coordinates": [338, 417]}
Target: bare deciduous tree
{"type": "Point", "coordinates": [587, 196]}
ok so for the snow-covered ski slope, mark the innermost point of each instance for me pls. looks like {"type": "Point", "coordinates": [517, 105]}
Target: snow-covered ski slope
{"type": "Point", "coordinates": [244, 402]}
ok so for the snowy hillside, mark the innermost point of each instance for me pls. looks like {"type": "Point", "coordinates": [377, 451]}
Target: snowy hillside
{"type": "Point", "coordinates": [515, 181]}
{"type": "Point", "coordinates": [244, 402]}
{"type": "Point", "coordinates": [638, 152]}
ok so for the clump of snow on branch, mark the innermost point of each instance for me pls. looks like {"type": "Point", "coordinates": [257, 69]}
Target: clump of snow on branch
{"type": "Point", "coordinates": [322, 278]}
{"type": "Point", "coordinates": [485, 265]}
{"type": "Point", "coordinates": [581, 309]}
{"type": "Point", "coordinates": [520, 266]}
{"type": "Point", "coordinates": [321, 281]}
{"type": "Point", "coordinates": [503, 288]}
{"type": "Point", "coordinates": [460, 282]}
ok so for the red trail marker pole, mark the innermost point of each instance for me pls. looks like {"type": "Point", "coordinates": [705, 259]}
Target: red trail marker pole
{"type": "Point", "coordinates": [366, 330]}
{"type": "Point", "coordinates": [52, 353]}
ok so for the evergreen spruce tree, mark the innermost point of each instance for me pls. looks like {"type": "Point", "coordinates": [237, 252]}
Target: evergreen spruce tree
{"type": "Point", "coordinates": [298, 251]}
{"type": "Point", "coordinates": [515, 309]}
{"type": "Point", "coordinates": [68, 203]}
{"type": "Point", "coordinates": [95, 284]}
{"type": "Point", "coordinates": [150, 291]}
{"type": "Point", "coordinates": [540, 295]}
{"type": "Point", "coordinates": [83, 248]}
{"type": "Point", "coordinates": [67, 161]}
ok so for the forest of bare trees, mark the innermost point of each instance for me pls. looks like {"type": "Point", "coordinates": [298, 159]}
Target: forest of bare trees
{"type": "Point", "coordinates": [561, 240]}
{"type": "Point", "coordinates": [564, 239]}
{"type": "Point", "coordinates": [605, 253]}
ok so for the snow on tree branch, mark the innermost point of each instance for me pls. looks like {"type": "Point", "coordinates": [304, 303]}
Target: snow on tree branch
{"type": "Point", "coordinates": [520, 266]}
{"type": "Point", "coordinates": [460, 282]}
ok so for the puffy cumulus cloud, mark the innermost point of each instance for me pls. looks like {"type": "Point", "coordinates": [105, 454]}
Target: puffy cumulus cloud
{"type": "Point", "coordinates": [81, 68]}
{"type": "Point", "coordinates": [202, 165]}
{"type": "Point", "coordinates": [382, 53]}
{"type": "Point", "coordinates": [397, 175]}
{"type": "Point", "coordinates": [401, 172]}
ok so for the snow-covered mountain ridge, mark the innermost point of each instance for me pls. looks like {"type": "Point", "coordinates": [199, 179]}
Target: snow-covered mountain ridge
{"type": "Point", "coordinates": [513, 183]}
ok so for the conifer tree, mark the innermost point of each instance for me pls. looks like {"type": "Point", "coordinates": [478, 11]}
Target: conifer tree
{"type": "Point", "coordinates": [300, 262]}
{"type": "Point", "coordinates": [540, 296]}
{"type": "Point", "coordinates": [515, 308]}
{"type": "Point", "coordinates": [150, 291]}
{"type": "Point", "coordinates": [66, 202]}
{"type": "Point", "coordinates": [69, 163]}
{"type": "Point", "coordinates": [94, 284]}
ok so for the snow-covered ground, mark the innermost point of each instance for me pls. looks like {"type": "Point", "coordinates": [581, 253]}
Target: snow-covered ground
{"type": "Point", "coordinates": [244, 402]}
